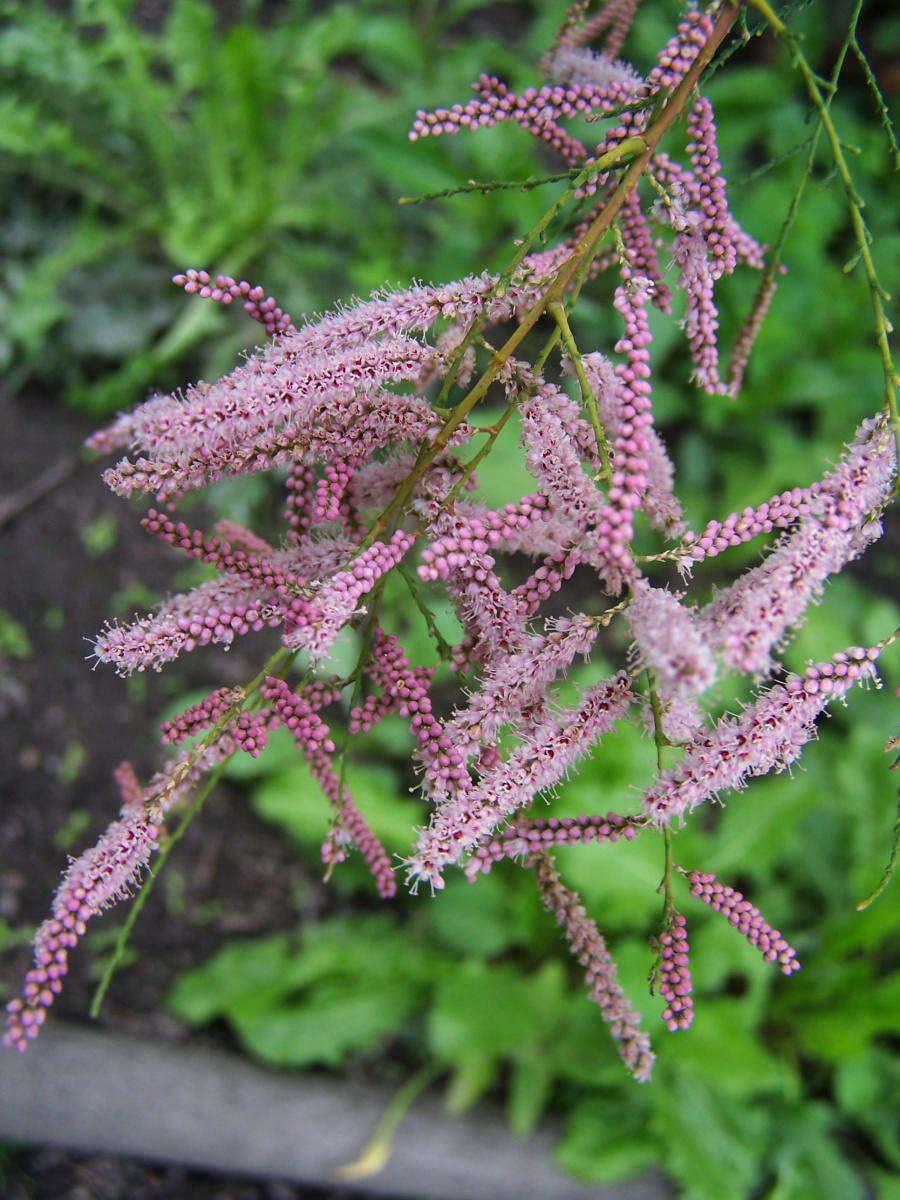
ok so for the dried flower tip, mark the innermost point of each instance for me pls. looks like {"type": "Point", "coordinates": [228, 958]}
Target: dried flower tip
{"type": "Point", "coordinates": [589, 948]}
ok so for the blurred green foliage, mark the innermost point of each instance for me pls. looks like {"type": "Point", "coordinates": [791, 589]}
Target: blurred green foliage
{"type": "Point", "coordinates": [14, 642]}
{"type": "Point", "coordinates": [274, 146]}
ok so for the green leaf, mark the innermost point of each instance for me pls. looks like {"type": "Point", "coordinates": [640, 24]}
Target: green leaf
{"type": "Point", "coordinates": [474, 1071]}
{"type": "Point", "coordinates": [618, 879]}
{"type": "Point", "coordinates": [808, 1156]}
{"type": "Point", "coordinates": [259, 973]}
{"type": "Point", "coordinates": [608, 1140]}
{"type": "Point", "coordinates": [14, 641]}
{"type": "Point", "coordinates": [853, 1018]}
{"type": "Point", "coordinates": [254, 968]}
{"type": "Point", "coordinates": [476, 918]}
{"type": "Point", "coordinates": [528, 1090]}
{"type": "Point", "coordinates": [334, 1019]}
{"type": "Point", "coordinates": [866, 1088]}
{"type": "Point", "coordinates": [189, 31]}
{"type": "Point", "coordinates": [857, 1082]}
{"type": "Point", "coordinates": [885, 1186]}
{"type": "Point", "coordinates": [711, 1144]}
{"type": "Point", "coordinates": [723, 1031]}
{"type": "Point", "coordinates": [494, 1009]}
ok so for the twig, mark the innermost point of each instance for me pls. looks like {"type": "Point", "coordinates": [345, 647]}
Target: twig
{"type": "Point", "coordinates": [15, 503]}
{"type": "Point", "coordinates": [637, 151]}
{"type": "Point", "coordinates": [888, 872]}
{"type": "Point", "coordinates": [493, 185]}
{"type": "Point", "coordinates": [854, 201]}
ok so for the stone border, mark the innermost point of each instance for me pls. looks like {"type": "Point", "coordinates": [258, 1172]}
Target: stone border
{"type": "Point", "coordinates": [111, 1093]}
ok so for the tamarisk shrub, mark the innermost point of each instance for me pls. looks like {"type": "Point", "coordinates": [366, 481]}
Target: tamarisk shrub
{"type": "Point", "coordinates": [366, 413]}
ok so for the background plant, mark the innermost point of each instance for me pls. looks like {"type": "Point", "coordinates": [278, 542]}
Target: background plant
{"type": "Point", "coordinates": [811, 418]}
{"type": "Point", "coordinates": [131, 148]}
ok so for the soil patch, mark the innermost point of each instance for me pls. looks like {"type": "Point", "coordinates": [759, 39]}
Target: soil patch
{"type": "Point", "coordinates": [68, 556]}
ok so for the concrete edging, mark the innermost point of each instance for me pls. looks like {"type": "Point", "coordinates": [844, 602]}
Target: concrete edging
{"type": "Point", "coordinates": [111, 1093]}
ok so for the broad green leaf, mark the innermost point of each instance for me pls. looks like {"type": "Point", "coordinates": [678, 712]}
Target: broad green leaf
{"type": "Point", "coordinates": [474, 1071]}
{"type": "Point", "coordinates": [293, 800]}
{"type": "Point", "coordinates": [583, 1051]}
{"type": "Point", "coordinates": [866, 1087]}
{"type": "Point", "coordinates": [493, 1009]}
{"type": "Point", "coordinates": [884, 1186]}
{"type": "Point", "coordinates": [608, 1140]}
{"type": "Point", "coordinates": [475, 918]}
{"type": "Point", "coordinates": [249, 968]}
{"type": "Point", "coordinates": [854, 1016]}
{"type": "Point", "coordinates": [723, 1032]}
{"type": "Point", "coordinates": [528, 1090]}
{"type": "Point", "coordinates": [259, 973]}
{"type": "Point", "coordinates": [323, 1028]}
{"type": "Point", "coordinates": [808, 1154]}
{"type": "Point", "coordinates": [711, 1144]}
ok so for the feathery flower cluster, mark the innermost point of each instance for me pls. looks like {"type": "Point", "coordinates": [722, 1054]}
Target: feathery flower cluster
{"type": "Point", "coordinates": [366, 412]}
{"type": "Point", "coordinates": [667, 640]}
{"type": "Point", "coordinates": [669, 643]}
{"type": "Point", "coordinates": [767, 736]}
{"type": "Point", "coordinates": [708, 242]}
{"type": "Point", "coordinates": [551, 745]}
{"type": "Point", "coordinates": [613, 21]}
{"type": "Point", "coordinates": [513, 687]}
{"type": "Point", "coordinates": [837, 520]}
